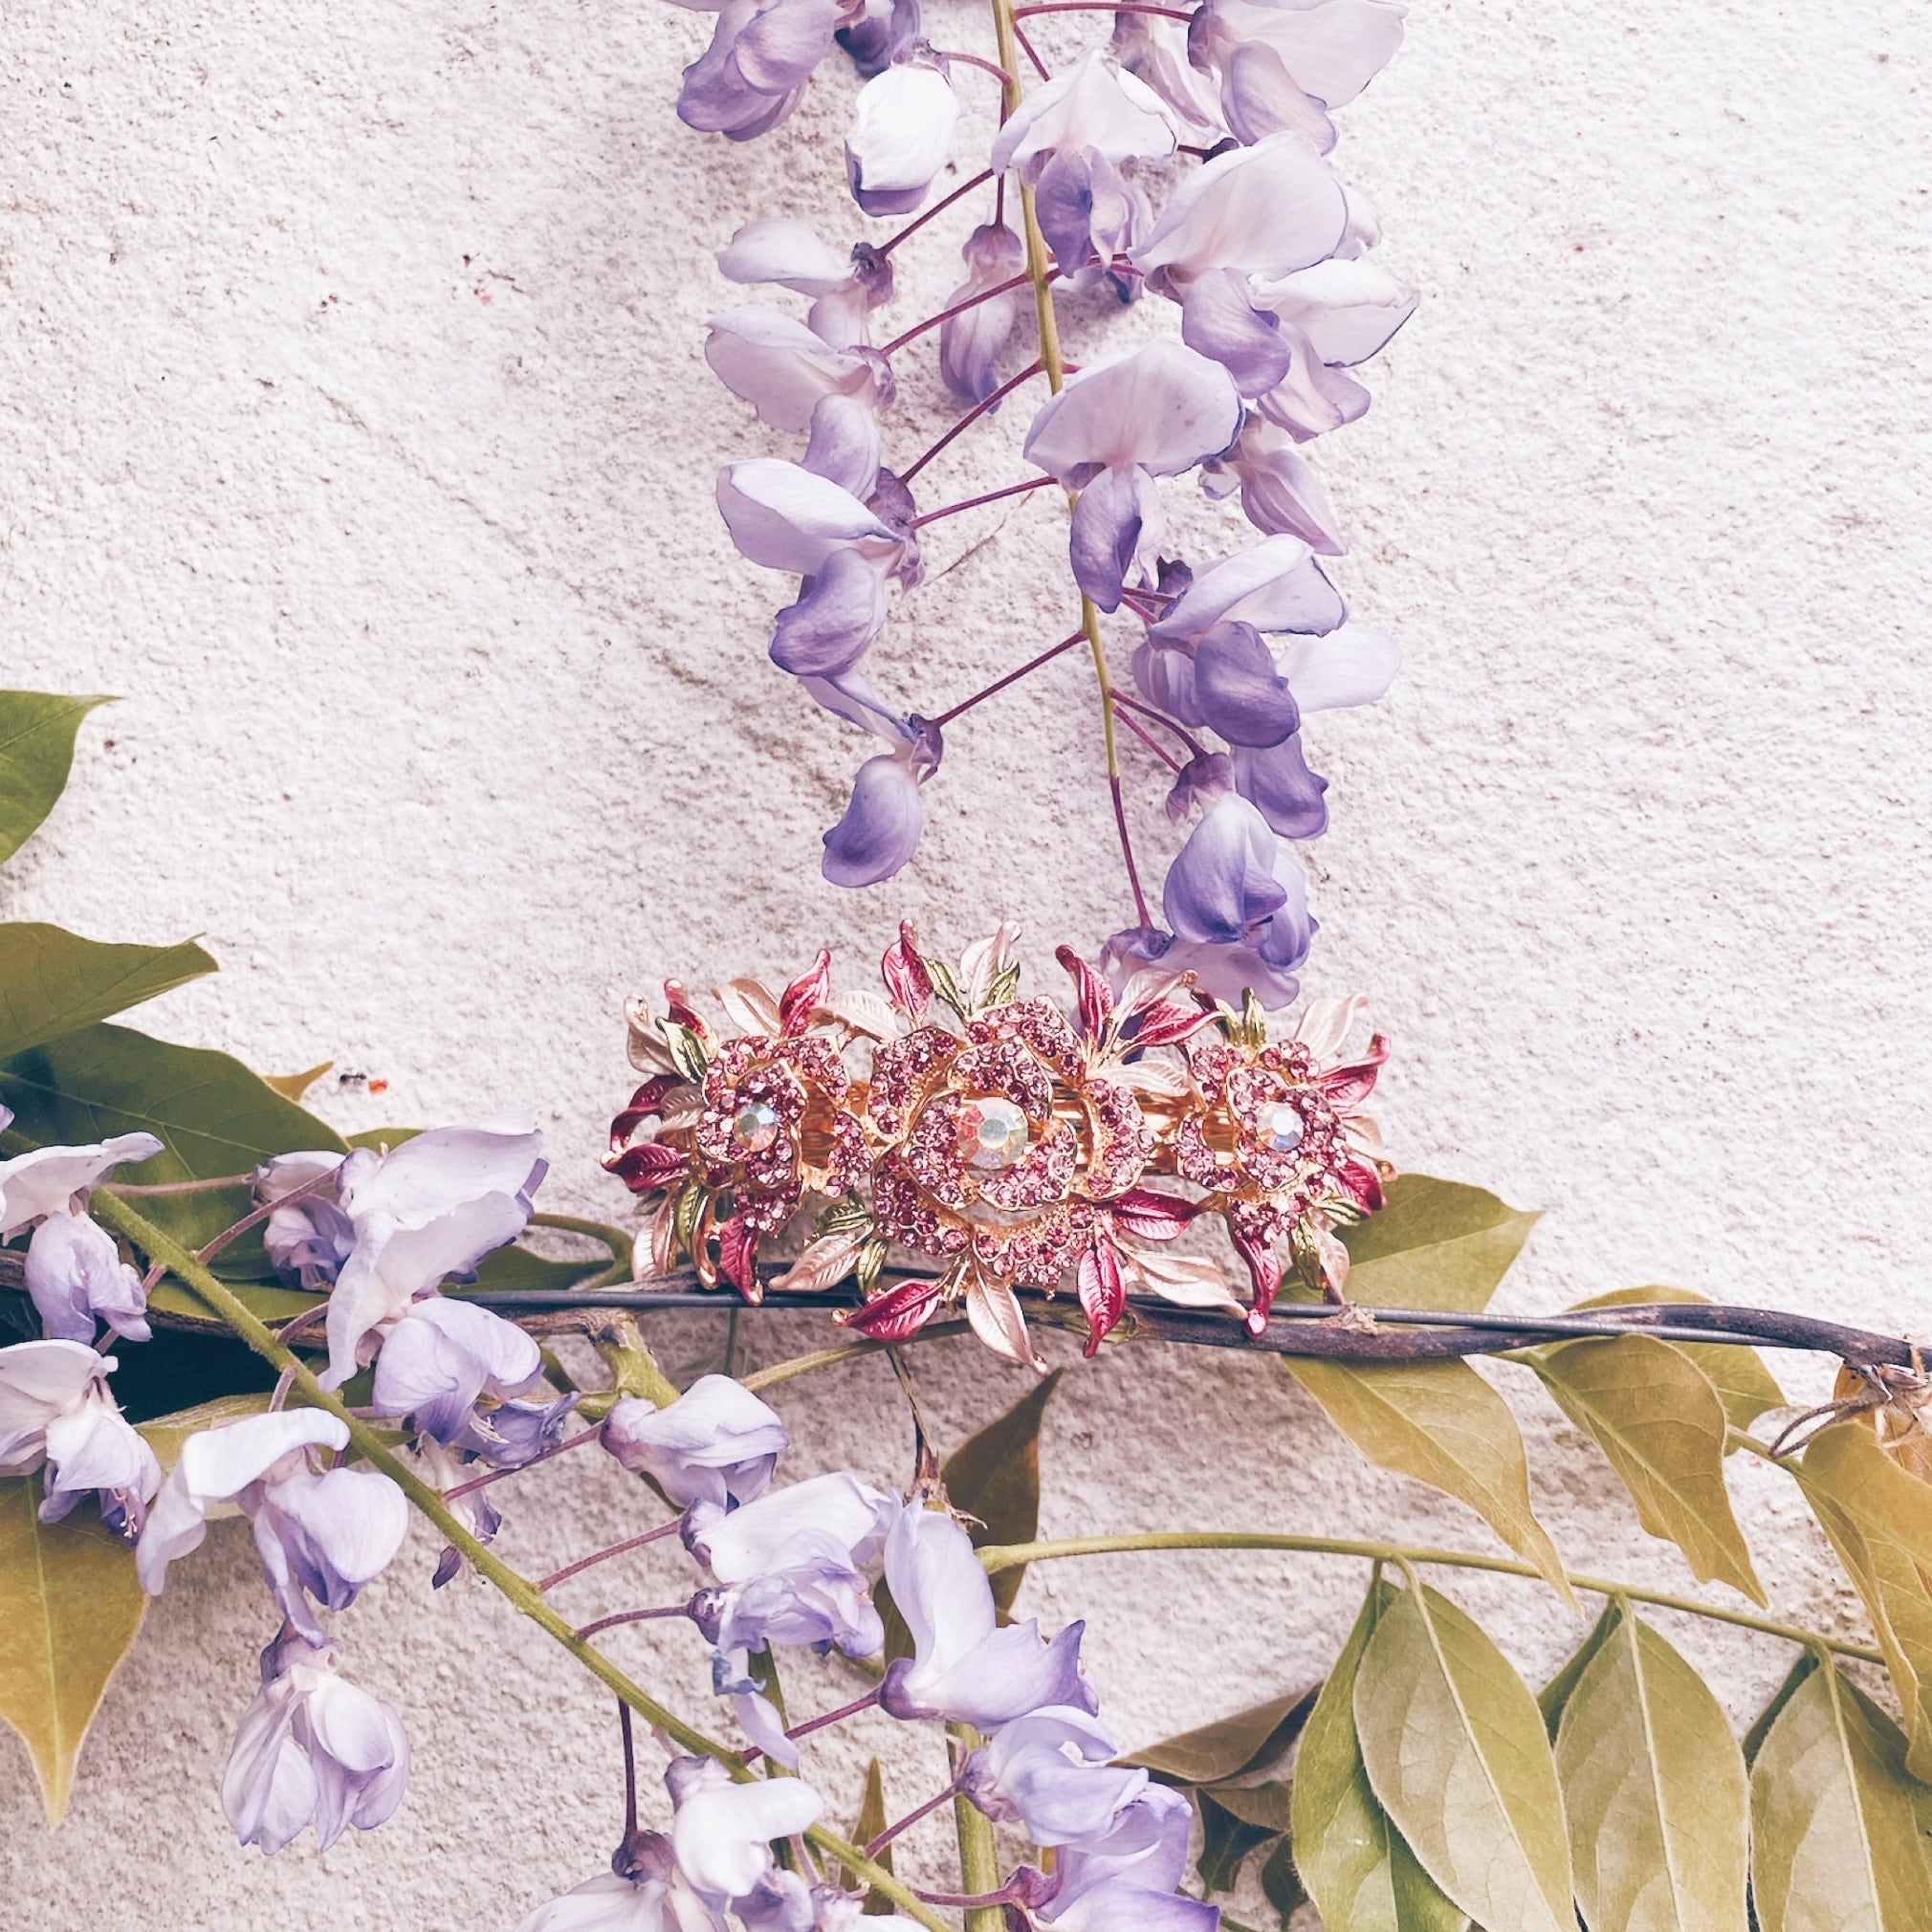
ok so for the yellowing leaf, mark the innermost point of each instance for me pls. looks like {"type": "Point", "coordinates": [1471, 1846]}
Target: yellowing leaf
{"type": "Point", "coordinates": [70, 1607]}
{"type": "Point", "coordinates": [1230, 1747]}
{"type": "Point", "coordinates": [1878, 1518]}
{"type": "Point", "coordinates": [1455, 1754]}
{"type": "Point", "coordinates": [36, 753]}
{"type": "Point", "coordinates": [54, 982]}
{"type": "Point", "coordinates": [1558, 1691]}
{"type": "Point", "coordinates": [1435, 1244]}
{"type": "Point", "coordinates": [1834, 1838]}
{"type": "Point", "coordinates": [293, 1085]}
{"type": "Point", "coordinates": [1655, 1791]}
{"type": "Point", "coordinates": [1745, 1387]}
{"type": "Point", "coordinates": [1442, 1423]}
{"type": "Point", "coordinates": [1654, 1414]}
{"type": "Point", "coordinates": [1358, 1871]}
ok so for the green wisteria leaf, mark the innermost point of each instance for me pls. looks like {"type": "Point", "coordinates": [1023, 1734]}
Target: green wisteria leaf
{"type": "Point", "coordinates": [1745, 1385]}
{"type": "Point", "coordinates": [36, 753]}
{"type": "Point", "coordinates": [54, 982]}
{"type": "Point", "coordinates": [1433, 1244]}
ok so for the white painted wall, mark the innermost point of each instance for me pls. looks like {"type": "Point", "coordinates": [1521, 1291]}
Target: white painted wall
{"type": "Point", "coordinates": [353, 428]}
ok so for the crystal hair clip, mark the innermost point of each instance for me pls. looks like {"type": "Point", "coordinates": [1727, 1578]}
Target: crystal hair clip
{"type": "Point", "coordinates": [1009, 1141]}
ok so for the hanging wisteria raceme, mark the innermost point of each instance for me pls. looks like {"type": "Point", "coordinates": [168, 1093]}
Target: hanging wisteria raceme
{"type": "Point", "coordinates": [1188, 159]}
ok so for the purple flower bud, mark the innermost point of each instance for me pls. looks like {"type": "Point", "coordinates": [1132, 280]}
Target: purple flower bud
{"type": "Point", "coordinates": [515, 1433]}
{"type": "Point", "coordinates": [312, 1747]}
{"type": "Point", "coordinates": [717, 1443]}
{"type": "Point", "coordinates": [880, 31]}
{"type": "Point", "coordinates": [901, 134]}
{"type": "Point", "coordinates": [1198, 783]}
{"type": "Point", "coordinates": [883, 822]}
{"type": "Point", "coordinates": [75, 1275]}
{"type": "Point", "coordinates": [971, 343]}
{"type": "Point", "coordinates": [1218, 319]}
{"type": "Point", "coordinates": [308, 1239]}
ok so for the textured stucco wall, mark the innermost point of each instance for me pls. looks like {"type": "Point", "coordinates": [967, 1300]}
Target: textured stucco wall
{"type": "Point", "coordinates": [353, 428]}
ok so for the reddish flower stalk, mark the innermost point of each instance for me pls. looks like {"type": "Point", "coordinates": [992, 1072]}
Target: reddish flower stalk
{"type": "Point", "coordinates": [498, 1475]}
{"type": "Point", "coordinates": [1127, 850]}
{"type": "Point", "coordinates": [1147, 738]}
{"type": "Point", "coordinates": [1004, 288]}
{"type": "Point", "coordinates": [885, 248]}
{"type": "Point", "coordinates": [1100, 7]}
{"type": "Point", "coordinates": [583, 1562]}
{"type": "Point", "coordinates": [973, 502]}
{"type": "Point", "coordinates": [1012, 677]}
{"type": "Point", "coordinates": [972, 415]}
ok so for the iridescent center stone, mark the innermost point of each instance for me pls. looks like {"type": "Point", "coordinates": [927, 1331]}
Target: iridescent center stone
{"type": "Point", "coordinates": [992, 1134]}
{"type": "Point", "coordinates": [755, 1127]}
{"type": "Point", "coordinates": [1278, 1127]}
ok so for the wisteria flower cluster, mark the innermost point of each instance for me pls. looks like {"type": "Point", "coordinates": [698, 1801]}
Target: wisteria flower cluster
{"type": "Point", "coordinates": [1189, 159]}
{"type": "Point", "coordinates": [1013, 1143]}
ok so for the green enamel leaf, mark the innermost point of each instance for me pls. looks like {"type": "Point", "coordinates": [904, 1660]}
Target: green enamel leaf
{"type": "Point", "coordinates": [1745, 1387]}
{"type": "Point", "coordinates": [1234, 1747]}
{"type": "Point", "coordinates": [1442, 1423]}
{"type": "Point", "coordinates": [70, 1608]}
{"type": "Point", "coordinates": [36, 753]}
{"type": "Point", "coordinates": [1835, 1837]}
{"type": "Point", "coordinates": [1654, 1414]}
{"type": "Point", "coordinates": [1878, 1518]}
{"type": "Point", "coordinates": [1455, 1754]}
{"type": "Point", "coordinates": [1350, 1859]}
{"type": "Point", "coordinates": [54, 982]}
{"type": "Point", "coordinates": [1433, 1244]}
{"type": "Point", "coordinates": [1655, 1791]}
{"type": "Point", "coordinates": [212, 1115]}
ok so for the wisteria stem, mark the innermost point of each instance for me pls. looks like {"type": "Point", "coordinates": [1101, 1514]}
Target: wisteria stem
{"type": "Point", "coordinates": [1010, 1556]}
{"type": "Point", "coordinates": [207, 1251]}
{"type": "Point", "coordinates": [973, 502]}
{"type": "Point", "coordinates": [818, 1723]}
{"type": "Point", "coordinates": [629, 1770]}
{"type": "Point", "coordinates": [476, 1482]}
{"type": "Point", "coordinates": [132, 1191]}
{"type": "Point", "coordinates": [972, 415]}
{"type": "Point", "coordinates": [911, 1819]}
{"type": "Point", "coordinates": [1160, 717]}
{"type": "Point", "coordinates": [918, 329]}
{"type": "Point", "coordinates": [1031, 665]}
{"type": "Point", "coordinates": [663, 1609]}
{"type": "Point", "coordinates": [1127, 846]}
{"type": "Point", "coordinates": [999, 74]}
{"type": "Point", "coordinates": [598, 1556]}
{"type": "Point", "coordinates": [911, 228]}
{"type": "Point", "coordinates": [1147, 738]}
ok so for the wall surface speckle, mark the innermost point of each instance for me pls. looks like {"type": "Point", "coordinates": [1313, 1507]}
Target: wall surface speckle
{"type": "Point", "coordinates": [354, 430]}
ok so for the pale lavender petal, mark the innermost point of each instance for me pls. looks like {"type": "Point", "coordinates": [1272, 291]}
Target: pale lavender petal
{"type": "Point", "coordinates": [1165, 676]}
{"type": "Point", "coordinates": [445, 1354]}
{"type": "Point", "coordinates": [45, 1179]}
{"type": "Point", "coordinates": [268, 1789]}
{"type": "Point", "coordinates": [1281, 494]}
{"type": "Point", "coordinates": [722, 1833]}
{"type": "Point", "coordinates": [327, 1535]}
{"type": "Point", "coordinates": [838, 614]}
{"type": "Point", "coordinates": [1218, 318]}
{"type": "Point", "coordinates": [1198, 785]}
{"type": "Point", "coordinates": [775, 363]}
{"type": "Point", "coordinates": [1005, 1675]}
{"type": "Point", "coordinates": [1222, 883]}
{"type": "Point", "coordinates": [1311, 399]}
{"type": "Point", "coordinates": [1220, 972]}
{"type": "Point", "coordinates": [744, 1544]}
{"type": "Point", "coordinates": [849, 695]}
{"type": "Point", "coordinates": [812, 1594]}
{"type": "Point", "coordinates": [1351, 666]}
{"type": "Point", "coordinates": [1259, 97]}
{"type": "Point", "coordinates": [1333, 47]}
{"type": "Point", "coordinates": [432, 1174]}
{"type": "Point", "coordinates": [940, 1586]}
{"type": "Point", "coordinates": [1156, 50]}
{"type": "Point", "coordinates": [75, 1274]}
{"type": "Point", "coordinates": [1117, 525]}
{"type": "Point", "coordinates": [1348, 310]}
{"type": "Point", "coordinates": [784, 41]}
{"type": "Point", "coordinates": [1279, 785]}
{"type": "Point", "coordinates": [760, 1720]}
{"type": "Point", "coordinates": [716, 1443]}
{"type": "Point", "coordinates": [1091, 104]}
{"type": "Point", "coordinates": [41, 1382]}
{"type": "Point", "coordinates": [1162, 406]}
{"type": "Point", "coordinates": [782, 516]}
{"type": "Point", "coordinates": [1086, 212]}
{"type": "Point", "coordinates": [844, 445]}
{"type": "Point", "coordinates": [1047, 1771]}
{"type": "Point", "coordinates": [1266, 210]}
{"type": "Point", "coordinates": [882, 823]}
{"type": "Point", "coordinates": [93, 1447]}
{"type": "Point", "coordinates": [516, 1432]}
{"type": "Point", "coordinates": [1275, 585]}
{"type": "Point", "coordinates": [901, 134]}
{"type": "Point", "coordinates": [1240, 693]}
{"type": "Point", "coordinates": [361, 1755]}
{"type": "Point", "coordinates": [788, 252]}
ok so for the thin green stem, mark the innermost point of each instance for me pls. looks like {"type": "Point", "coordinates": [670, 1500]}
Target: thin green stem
{"type": "Point", "coordinates": [1011, 1555]}
{"type": "Point", "coordinates": [519, 1590]}
{"type": "Point", "coordinates": [134, 1191]}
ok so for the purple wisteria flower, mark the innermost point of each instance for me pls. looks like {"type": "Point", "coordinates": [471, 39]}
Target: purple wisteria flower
{"type": "Point", "coordinates": [443, 1357]}
{"type": "Point", "coordinates": [1130, 1880]}
{"type": "Point", "coordinates": [722, 1831]}
{"type": "Point", "coordinates": [307, 1240]}
{"type": "Point", "coordinates": [965, 1667]}
{"type": "Point", "coordinates": [780, 252]}
{"type": "Point", "coordinates": [753, 72]}
{"type": "Point", "coordinates": [716, 1445]}
{"type": "Point", "coordinates": [75, 1273]}
{"type": "Point", "coordinates": [972, 342]}
{"type": "Point", "coordinates": [1069, 141]}
{"type": "Point", "coordinates": [900, 133]}
{"type": "Point", "coordinates": [424, 1213]}
{"type": "Point", "coordinates": [1283, 67]}
{"type": "Point", "coordinates": [55, 1413]}
{"type": "Point", "coordinates": [644, 1891]}
{"type": "Point", "coordinates": [1115, 427]}
{"type": "Point", "coordinates": [1049, 1771]}
{"type": "Point", "coordinates": [321, 1533]}
{"type": "Point", "coordinates": [312, 1747]}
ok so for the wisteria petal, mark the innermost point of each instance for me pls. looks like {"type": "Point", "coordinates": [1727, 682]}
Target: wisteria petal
{"type": "Point", "coordinates": [1311, 399]}
{"type": "Point", "coordinates": [838, 614]}
{"type": "Point", "coordinates": [1277, 781]}
{"type": "Point", "coordinates": [843, 444]}
{"type": "Point", "coordinates": [1348, 310]}
{"type": "Point", "coordinates": [443, 1356]}
{"type": "Point", "coordinates": [1281, 494]}
{"type": "Point", "coordinates": [1093, 104]}
{"type": "Point", "coordinates": [1353, 666]}
{"type": "Point", "coordinates": [716, 1443]}
{"type": "Point", "coordinates": [1240, 693]}
{"type": "Point", "coordinates": [39, 1382]}
{"type": "Point", "coordinates": [880, 31]}
{"type": "Point", "coordinates": [901, 134]}
{"type": "Point", "coordinates": [742, 1545]}
{"type": "Point", "coordinates": [1217, 317]}
{"type": "Point", "coordinates": [784, 41]}
{"type": "Point", "coordinates": [882, 823]}
{"type": "Point", "coordinates": [1266, 209]}
{"type": "Point", "coordinates": [722, 1833]}
{"type": "Point", "coordinates": [775, 363]}
{"type": "Point", "coordinates": [1156, 50]}
{"type": "Point", "coordinates": [1163, 406]}
{"type": "Point", "coordinates": [1333, 47]}
{"type": "Point", "coordinates": [1275, 585]}
{"type": "Point", "coordinates": [782, 516]}
{"type": "Point", "coordinates": [1117, 526]}
{"type": "Point", "coordinates": [787, 254]}
{"type": "Point", "coordinates": [1222, 883]}
{"type": "Point", "coordinates": [45, 1179]}
{"type": "Point", "coordinates": [1259, 97]}
{"type": "Point", "coordinates": [972, 342]}
{"type": "Point", "coordinates": [74, 1275]}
